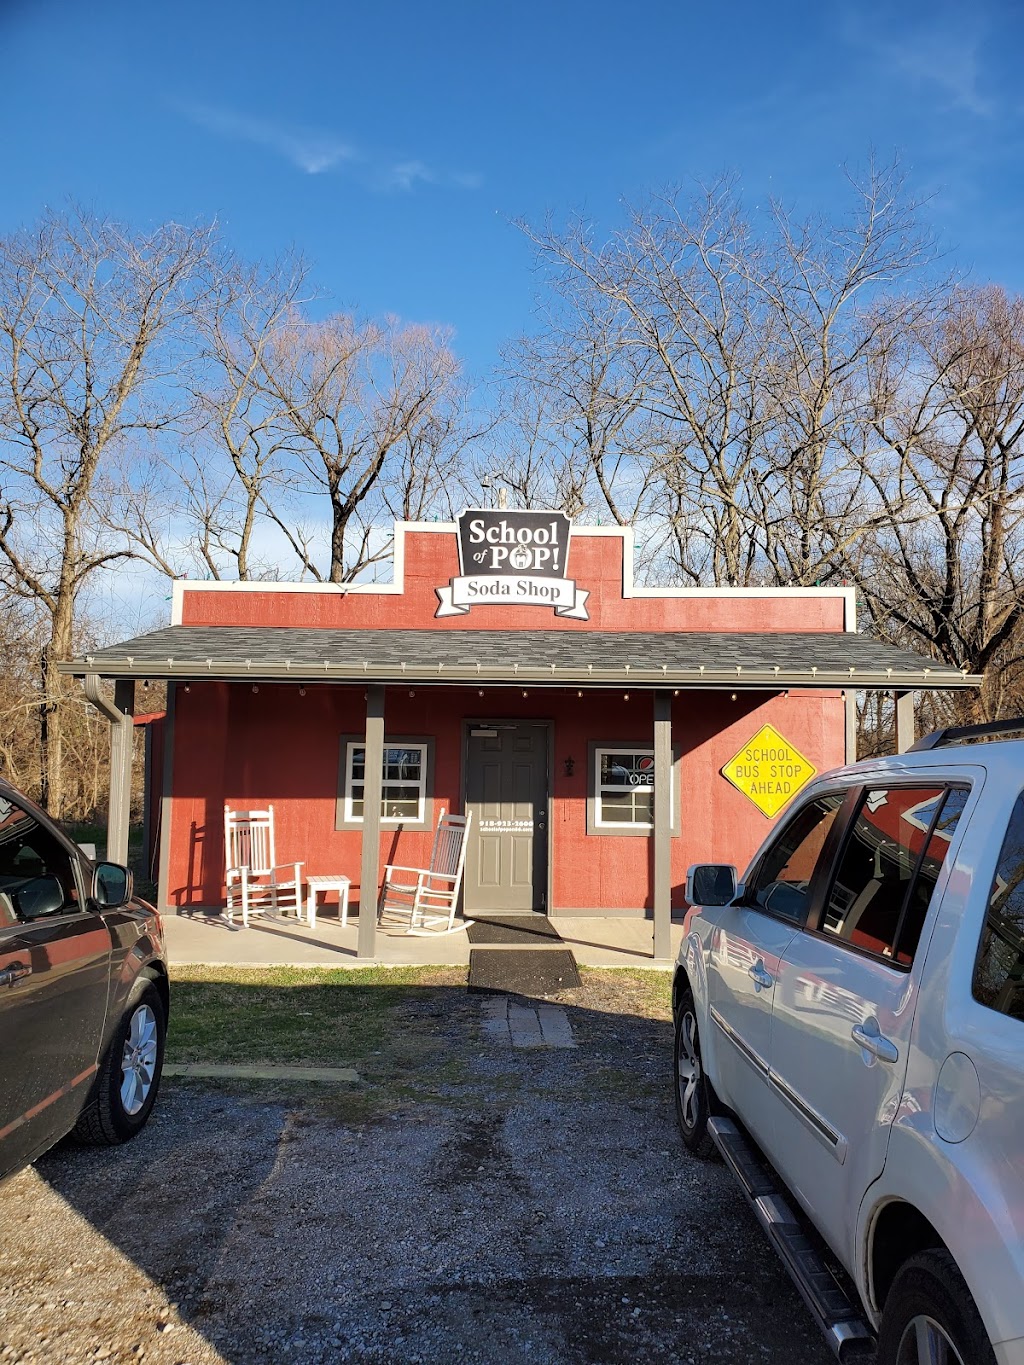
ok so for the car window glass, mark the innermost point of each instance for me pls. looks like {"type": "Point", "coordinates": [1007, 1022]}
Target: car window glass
{"type": "Point", "coordinates": [875, 879]}
{"type": "Point", "coordinates": [36, 875]}
{"type": "Point", "coordinates": [916, 908]}
{"type": "Point", "coordinates": [781, 883]}
{"type": "Point", "coordinates": [999, 972]}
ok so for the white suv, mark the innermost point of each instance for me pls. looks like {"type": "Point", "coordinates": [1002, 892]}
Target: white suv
{"type": "Point", "coordinates": [850, 1036]}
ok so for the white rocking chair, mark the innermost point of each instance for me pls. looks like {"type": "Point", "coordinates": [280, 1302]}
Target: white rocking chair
{"type": "Point", "coordinates": [254, 881]}
{"type": "Point", "coordinates": [428, 896]}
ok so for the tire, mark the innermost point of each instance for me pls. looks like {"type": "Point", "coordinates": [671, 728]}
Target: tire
{"type": "Point", "coordinates": [930, 1318]}
{"type": "Point", "coordinates": [124, 1095]}
{"type": "Point", "coordinates": [694, 1096]}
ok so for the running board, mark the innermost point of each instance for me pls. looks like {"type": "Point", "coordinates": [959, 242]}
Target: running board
{"type": "Point", "coordinates": [839, 1317]}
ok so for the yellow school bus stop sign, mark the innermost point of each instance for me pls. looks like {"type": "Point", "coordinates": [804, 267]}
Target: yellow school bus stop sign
{"type": "Point", "coordinates": [769, 770]}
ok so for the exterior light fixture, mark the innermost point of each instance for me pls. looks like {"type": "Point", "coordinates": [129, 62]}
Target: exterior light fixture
{"type": "Point", "coordinates": [411, 692]}
{"type": "Point", "coordinates": [302, 691]}
{"type": "Point", "coordinates": [570, 766]}
{"type": "Point", "coordinates": [526, 694]}
{"type": "Point", "coordinates": [255, 688]}
{"type": "Point", "coordinates": [625, 696]}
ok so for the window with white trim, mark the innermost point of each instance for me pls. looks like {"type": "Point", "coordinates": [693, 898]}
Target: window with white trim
{"type": "Point", "coordinates": [625, 788]}
{"type": "Point", "coordinates": [403, 783]}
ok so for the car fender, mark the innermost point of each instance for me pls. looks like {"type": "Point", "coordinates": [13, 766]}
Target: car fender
{"type": "Point", "coordinates": [692, 963]}
{"type": "Point", "coordinates": [138, 948]}
{"type": "Point", "coordinates": [953, 1188]}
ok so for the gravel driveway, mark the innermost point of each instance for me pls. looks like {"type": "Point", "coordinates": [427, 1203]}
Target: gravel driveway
{"type": "Point", "coordinates": [542, 1209]}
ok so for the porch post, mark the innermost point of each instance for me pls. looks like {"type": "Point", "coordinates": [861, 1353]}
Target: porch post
{"type": "Point", "coordinates": [370, 867]}
{"type": "Point", "coordinates": [662, 825]}
{"type": "Point", "coordinates": [850, 701]}
{"type": "Point", "coordinates": [904, 721]}
{"type": "Point", "coordinates": [163, 895]}
{"type": "Point", "coordinates": [122, 732]}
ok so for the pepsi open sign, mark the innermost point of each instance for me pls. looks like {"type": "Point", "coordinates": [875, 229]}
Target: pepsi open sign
{"type": "Point", "coordinates": [630, 770]}
{"type": "Point", "coordinates": [503, 542]}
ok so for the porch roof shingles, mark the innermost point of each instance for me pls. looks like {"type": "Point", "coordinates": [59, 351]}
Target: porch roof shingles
{"type": "Point", "coordinates": [556, 657]}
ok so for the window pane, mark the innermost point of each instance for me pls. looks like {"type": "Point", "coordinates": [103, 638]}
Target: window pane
{"type": "Point", "coordinates": [402, 765]}
{"type": "Point", "coordinates": [928, 874]}
{"type": "Point", "coordinates": [403, 789]}
{"type": "Point", "coordinates": [874, 878]}
{"type": "Point", "coordinates": [36, 875]}
{"type": "Point", "coordinates": [396, 803]}
{"type": "Point", "coordinates": [782, 882]}
{"type": "Point", "coordinates": [632, 807]}
{"type": "Point", "coordinates": [999, 973]}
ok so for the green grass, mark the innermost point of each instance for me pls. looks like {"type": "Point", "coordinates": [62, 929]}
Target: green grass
{"type": "Point", "coordinates": [305, 1016]}
{"type": "Point", "coordinates": [410, 1032]}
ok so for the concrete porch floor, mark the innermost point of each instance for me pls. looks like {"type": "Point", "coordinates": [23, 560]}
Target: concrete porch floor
{"type": "Point", "coordinates": [211, 940]}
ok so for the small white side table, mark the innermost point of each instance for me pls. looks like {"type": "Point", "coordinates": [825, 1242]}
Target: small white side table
{"type": "Point", "coordinates": [327, 883]}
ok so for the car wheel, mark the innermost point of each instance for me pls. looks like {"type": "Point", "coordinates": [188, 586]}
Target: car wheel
{"type": "Point", "coordinates": [930, 1318]}
{"type": "Point", "coordinates": [129, 1075]}
{"type": "Point", "coordinates": [694, 1105]}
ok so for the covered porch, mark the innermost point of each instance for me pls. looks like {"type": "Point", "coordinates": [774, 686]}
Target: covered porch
{"type": "Point", "coordinates": [274, 701]}
{"type": "Point", "coordinates": [595, 941]}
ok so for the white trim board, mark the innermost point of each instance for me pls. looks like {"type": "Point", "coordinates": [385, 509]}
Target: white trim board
{"type": "Point", "coordinates": [396, 588]}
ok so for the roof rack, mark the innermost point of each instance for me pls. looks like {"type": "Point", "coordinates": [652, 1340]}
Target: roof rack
{"type": "Point", "coordinates": [967, 734]}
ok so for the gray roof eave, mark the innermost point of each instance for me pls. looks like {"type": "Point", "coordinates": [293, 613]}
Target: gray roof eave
{"type": "Point", "coordinates": [542, 658]}
{"type": "Point", "coordinates": [303, 671]}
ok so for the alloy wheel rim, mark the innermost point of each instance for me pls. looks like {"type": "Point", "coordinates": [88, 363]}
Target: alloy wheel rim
{"type": "Point", "coordinates": [926, 1342]}
{"type": "Point", "coordinates": [688, 1071]}
{"type": "Point", "coordinates": [138, 1060]}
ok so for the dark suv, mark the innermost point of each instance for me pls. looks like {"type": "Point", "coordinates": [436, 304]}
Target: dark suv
{"type": "Point", "coordinates": [83, 992]}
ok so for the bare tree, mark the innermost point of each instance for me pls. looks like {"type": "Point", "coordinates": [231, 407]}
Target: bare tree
{"type": "Point", "coordinates": [941, 567]}
{"type": "Point", "coordinates": [91, 320]}
{"type": "Point", "coordinates": [716, 369]}
{"type": "Point", "coordinates": [834, 291]}
{"type": "Point", "coordinates": [366, 413]}
{"type": "Point", "coordinates": [574, 430]}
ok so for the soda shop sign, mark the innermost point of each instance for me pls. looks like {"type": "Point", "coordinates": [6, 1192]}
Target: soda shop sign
{"type": "Point", "coordinates": [513, 558]}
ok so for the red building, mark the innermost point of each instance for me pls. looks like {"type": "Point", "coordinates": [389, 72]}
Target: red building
{"type": "Point", "coordinates": [507, 671]}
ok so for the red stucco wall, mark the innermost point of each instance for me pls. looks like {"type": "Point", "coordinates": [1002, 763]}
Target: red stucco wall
{"type": "Point", "coordinates": [431, 559]}
{"type": "Point", "coordinates": [231, 744]}
{"type": "Point", "coordinates": [272, 745]}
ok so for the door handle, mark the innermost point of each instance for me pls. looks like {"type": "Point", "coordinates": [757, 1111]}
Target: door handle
{"type": "Point", "coordinates": [759, 976]}
{"type": "Point", "coordinates": [872, 1041]}
{"type": "Point", "coordinates": [8, 975]}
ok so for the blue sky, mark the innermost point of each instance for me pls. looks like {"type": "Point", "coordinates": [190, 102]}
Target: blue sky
{"type": "Point", "coordinates": [394, 144]}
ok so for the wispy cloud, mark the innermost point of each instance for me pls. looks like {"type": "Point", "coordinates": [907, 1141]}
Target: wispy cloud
{"type": "Point", "coordinates": [406, 175]}
{"type": "Point", "coordinates": [316, 151]}
{"type": "Point", "coordinates": [944, 54]}
{"type": "Point", "coordinates": [310, 150]}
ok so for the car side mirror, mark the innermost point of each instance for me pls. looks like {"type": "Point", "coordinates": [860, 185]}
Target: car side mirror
{"type": "Point", "coordinates": [37, 898]}
{"type": "Point", "coordinates": [112, 885]}
{"type": "Point", "coordinates": [711, 884]}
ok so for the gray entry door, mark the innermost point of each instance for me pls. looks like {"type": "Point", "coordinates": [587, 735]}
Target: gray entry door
{"type": "Point", "coordinates": [507, 791]}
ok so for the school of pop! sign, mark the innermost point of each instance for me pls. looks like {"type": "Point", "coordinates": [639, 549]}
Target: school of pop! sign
{"type": "Point", "coordinates": [513, 558]}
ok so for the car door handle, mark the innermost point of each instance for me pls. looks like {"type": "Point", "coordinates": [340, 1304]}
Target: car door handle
{"type": "Point", "coordinates": [872, 1041]}
{"type": "Point", "coordinates": [759, 976]}
{"type": "Point", "coordinates": [8, 975]}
